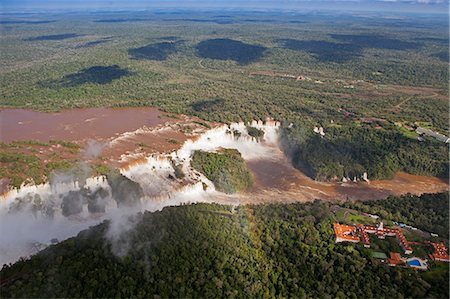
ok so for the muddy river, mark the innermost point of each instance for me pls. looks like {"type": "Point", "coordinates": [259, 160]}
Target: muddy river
{"type": "Point", "coordinates": [75, 124]}
{"type": "Point", "coordinates": [278, 180]}
{"type": "Point", "coordinates": [126, 130]}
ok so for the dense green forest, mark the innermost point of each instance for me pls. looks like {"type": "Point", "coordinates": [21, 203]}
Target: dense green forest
{"type": "Point", "coordinates": [225, 168]}
{"type": "Point", "coordinates": [352, 150]}
{"type": "Point", "coordinates": [200, 64]}
{"type": "Point", "coordinates": [209, 250]}
{"type": "Point", "coordinates": [19, 161]}
{"type": "Point", "coordinates": [428, 212]}
{"type": "Point", "coordinates": [176, 59]}
{"type": "Point", "coordinates": [303, 69]}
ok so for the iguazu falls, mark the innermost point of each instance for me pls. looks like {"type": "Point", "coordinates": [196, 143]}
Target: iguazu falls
{"type": "Point", "coordinates": [224, 149]}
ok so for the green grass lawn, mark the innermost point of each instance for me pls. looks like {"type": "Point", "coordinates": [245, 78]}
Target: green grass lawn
{"type": "Point", "coordinates": [408, 133]}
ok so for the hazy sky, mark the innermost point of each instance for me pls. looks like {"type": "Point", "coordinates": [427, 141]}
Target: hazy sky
{"type": "Point", "coordinates": [440, 6]}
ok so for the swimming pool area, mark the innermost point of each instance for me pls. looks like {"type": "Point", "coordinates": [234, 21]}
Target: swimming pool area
{"type": "Point", "coordinates": [414, 263]}
{"type": "Point", "coordinates": [417, 263]}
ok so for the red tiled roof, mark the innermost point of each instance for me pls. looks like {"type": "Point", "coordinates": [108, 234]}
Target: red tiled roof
{"type": "Point", "coordinates": [440, 252]}
{"type": "Point", "coordinates": [395, 259]}
{"type": "Point", "coordinates": [401, 238]}
{"type": "Point", "coordinates": [363, 233]}
{"type": "Point", "coordinates": [346, 232]}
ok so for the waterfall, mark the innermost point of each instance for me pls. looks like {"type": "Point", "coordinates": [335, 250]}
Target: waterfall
{"type": "Point", "coordinates": [62, 208]}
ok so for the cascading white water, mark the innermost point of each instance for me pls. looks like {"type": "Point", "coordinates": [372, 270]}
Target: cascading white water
{"type": "Point", "coordinates": [32, 216]}
{"type": "Point", "coordinates": [25, 225]}
{"type": "Point", "coordinates": [157, 175]}
{"type": "Point", "coordinates": [223, 137]}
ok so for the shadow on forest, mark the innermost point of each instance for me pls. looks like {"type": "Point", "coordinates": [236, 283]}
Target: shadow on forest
{"type": "Point", "coordinates": [323, 50]}
{"type": "Point", "coordinates": [169, 38]}
{"type": "Point", "coordinates": [96, 74]}
{"type": "Point", "coordinates": [261, 21]}
{"type": "Point", "coordinates": [11, 22]}
{"type": "Point", "coordinates": [94, 43]}
{"type": "Point", "coordinates": [120, 20]}
{"type": "Point", "coordinates": [53, 37]}
{"type": "Point", "coordinates": [375, 42]}
{"type": "Point", "coordinates": [224, 20]}
{"type": "Point", "coordinates": [444, 56]}
{"type": "Point", "coordinates": [219, 21]}
{"type": "Point", "coordinates": [207, 105]}
{"type": "Point", "coordinates": [158, 51]}
{"type": "Point", "coordinates": [228, 49]}
{"type": "Point", "coordinates": [349, 46]}
{"type": "Point", "coordinates": [443, 41]}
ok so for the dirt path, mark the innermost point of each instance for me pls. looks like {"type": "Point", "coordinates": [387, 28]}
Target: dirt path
{"type": "Point", "coordinates": [397, 107]}
{"type": "Point", "coordinates": [430, 96]}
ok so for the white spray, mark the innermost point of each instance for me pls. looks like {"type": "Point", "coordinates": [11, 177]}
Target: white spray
{"type": "Point", "coordinates": [26, 229]}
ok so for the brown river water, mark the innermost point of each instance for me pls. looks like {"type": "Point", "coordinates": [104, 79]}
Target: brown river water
{"type": "Point", "coordinates": [124, 128]}
{"type": "Point", "coordinates": [75, 124]}
{"type": "Point", "coordinates": [278, 180]}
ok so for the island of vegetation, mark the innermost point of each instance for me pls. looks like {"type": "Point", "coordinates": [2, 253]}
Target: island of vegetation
{"type": "Point", "coordinates": [255, 132]}
{"type": "Point", "coordinates": [225, 168]}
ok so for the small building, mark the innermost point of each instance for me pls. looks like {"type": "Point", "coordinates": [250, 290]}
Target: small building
{"type": "Point", "coordinates": [395, 259]}
{"type": "Point", "coordinates": [431, 133]}
{"type": "Point", "coordinates": [319, 130]}
{"type": "Point", "coordinates": [345, 233]}
{"type": "Point", "coordinates": [350, 233]}
{"type": "Point", "coordinates": [364, 235]}
{"type": "Point", "coordinates": [379, 255]}
{"type": "Point", "coordinates": [440, 252]}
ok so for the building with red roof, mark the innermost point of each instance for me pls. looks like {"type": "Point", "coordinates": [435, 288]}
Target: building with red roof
{"type": "Point", "coordinates": [346, 233]}
{"type": "Point", "coordinates": [440, 252]}
{"type": "Point", "coordinates": [395, 259]}
{"type": "Point", "coordinates": [403, 242]}
{"type": "Point", "coordinates": [364, 235]}
{"type": "Point", "coordinates": [350, 233]}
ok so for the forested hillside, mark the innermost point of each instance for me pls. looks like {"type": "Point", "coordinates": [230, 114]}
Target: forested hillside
{"type": "Point", "coordinates": [305, 69]}
{"type": "Point", "coordinates": [352, 150]}
{"type": "Point", "coordinates": [208, 250]}
{"type": "Point", "coordinates": [428, 212]}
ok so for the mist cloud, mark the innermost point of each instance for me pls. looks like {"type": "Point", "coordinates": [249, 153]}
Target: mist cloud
{"type": "Point", "coordinates": [94, 149]}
